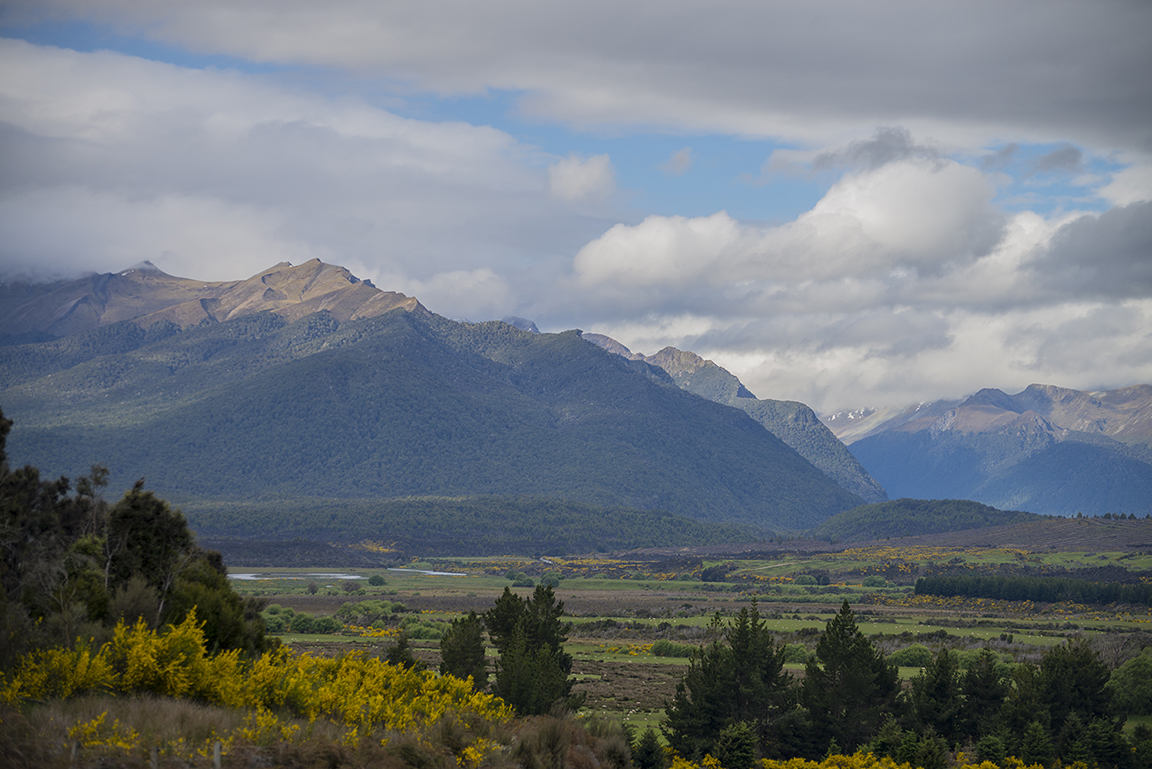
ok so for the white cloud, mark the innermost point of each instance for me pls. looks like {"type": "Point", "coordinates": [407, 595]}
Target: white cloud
{"type": "Point", "coordinates": [478, 294]}
{"type": "Point", "coordinates": [216, 174]}
{"type": "Point", "coordinates": [909, 215]}
{"type": "Point", "coordinates": [69, 230]}
{"type": "Point", "coordinates": [902, 282]}
{"type": "Point", "coordinates": [1131, 185]}
{"type": "Point", "coordinates": [905, 214]}
{"type": "Point", "coordinates": [1062, 71]}
{"type": "Point", "coordinates": [576, 180]}
{"type": "Point", "coordinates": [661, 250]}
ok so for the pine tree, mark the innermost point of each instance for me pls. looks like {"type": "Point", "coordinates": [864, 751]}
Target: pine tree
{"type": "Point", "coordinates": [532, 672]}
{"type": "Point", "coordinates": [736, 746]}
{"type": "Point", "coordinates": [849, 689]}
{"type": "Point", "coordinates": [934, 697]}
{"type": "Point", "coordinates": [649, 753]}
{"type": "Point", "coordinates": [737, 678]}
{"type": "Point", "coordinates": [983, 688]}
{"type": "Point", "coordinates": [1072, 680]}
{"type": "Point", "coordinates": [462, 651]}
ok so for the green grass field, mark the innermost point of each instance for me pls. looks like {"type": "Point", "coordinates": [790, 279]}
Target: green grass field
{"type": "Point", "coordinates": [618, 608]}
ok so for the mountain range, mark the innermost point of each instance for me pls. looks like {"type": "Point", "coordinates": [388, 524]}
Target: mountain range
{"type": "Point", "coordinates": [305, 383]}
{"type": "Point", "coordinates": [790, 421]}
{"type": "Point", "coordinates": [304, 393]}
{"type": "Point", "coordinates": [1046, 449]}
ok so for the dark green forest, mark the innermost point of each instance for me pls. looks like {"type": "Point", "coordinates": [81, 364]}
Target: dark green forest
{"type": "Point", "coordinates": [914, 517]}
{"type": "Point", "coordinates": [461, 525]}
{"type": "Point", "coordinates": [1048, 589]}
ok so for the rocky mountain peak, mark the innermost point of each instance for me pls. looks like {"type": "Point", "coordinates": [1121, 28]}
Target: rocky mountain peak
{"type": "Point", "coordinates": [146, 295]}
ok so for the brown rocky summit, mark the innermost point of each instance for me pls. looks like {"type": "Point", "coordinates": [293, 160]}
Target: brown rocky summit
{"type": "Point", "coordinates": [146, 295]}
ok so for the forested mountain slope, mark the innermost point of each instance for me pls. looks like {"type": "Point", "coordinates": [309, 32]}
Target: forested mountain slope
{"type": "Point", "coordinates": [914, 517]}
{"type": "Point", "coordinates": [790, 421]}
{"type": "Point", "coordinates": [405, 403]}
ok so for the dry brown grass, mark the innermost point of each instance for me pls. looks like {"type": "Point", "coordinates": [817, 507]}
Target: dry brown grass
{"type": "Point", "coordinates": [38, 739]}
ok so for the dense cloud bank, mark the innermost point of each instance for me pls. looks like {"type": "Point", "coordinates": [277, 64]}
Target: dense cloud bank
{"type": "Point", "coordinates": [938, 258]}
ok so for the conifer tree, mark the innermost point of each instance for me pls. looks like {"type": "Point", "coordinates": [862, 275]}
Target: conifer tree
{"type": "Point", "coordinates": [849, 688]}
{"type": "Point", "coordinates": [934, 697]}
{"type": "Point", "coordinates": [737, 678]}
{"type": "Point", "coordinates": [462, 651]}
{"type": "Point", "coordinates": [1073, 680]}
{"type": "Point", "coordinates": [983, 688]}
{"type": "Point", "coordinates": [649, 753]}
{"type": "Point", "coordinates": [532, 672]}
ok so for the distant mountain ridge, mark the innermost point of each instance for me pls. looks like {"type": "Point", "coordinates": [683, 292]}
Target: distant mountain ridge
{"type": "Point", "coordinates": [790, 421]}
{"type": "Point", "coordinates": [1046, 449]}
{"type": "Point", "coordinates": [145, 295]}
{"type": "Point", "coordinates": [305, 382]}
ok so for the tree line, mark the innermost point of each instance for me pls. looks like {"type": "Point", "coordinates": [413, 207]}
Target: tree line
{"type": "Point", "coordinates": [736, 703]}
{"type": "Point", "coordinates": [1040, 589]}
{"type": "Point", "coordinates": [464, 525]}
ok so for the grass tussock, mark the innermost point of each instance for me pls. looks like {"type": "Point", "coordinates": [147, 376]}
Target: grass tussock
{"type": "Point", "coordinates": [43, 736]}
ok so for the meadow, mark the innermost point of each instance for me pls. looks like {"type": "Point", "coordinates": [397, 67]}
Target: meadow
{"type": "Point", "coordinates": [619, 607]}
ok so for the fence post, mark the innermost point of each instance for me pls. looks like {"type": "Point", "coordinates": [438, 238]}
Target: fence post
{"type": "Point", "coordinates": [216, 755]}
{"type": "Point", "coordinates": [155, 757]}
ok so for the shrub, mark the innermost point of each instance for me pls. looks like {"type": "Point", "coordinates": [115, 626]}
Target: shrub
{"type": "Point", "coordinates": [367, 612]}
{"type": "Point", "coordinates": [666, 648]}
{"type": "Point", "coordinates": [423, 629]}
{"type": "Point", "coordinates": [376, 580]}
{"type": "Point", "coordinates": [914, 656]}
{"type": "Point", "coordinates": [797, 653]}
{"type": "Point", "coordinates": [327, 625]}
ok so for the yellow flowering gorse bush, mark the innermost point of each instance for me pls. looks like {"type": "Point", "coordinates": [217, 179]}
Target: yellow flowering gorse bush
{"type": "Point", "coordinates": [365, 694]}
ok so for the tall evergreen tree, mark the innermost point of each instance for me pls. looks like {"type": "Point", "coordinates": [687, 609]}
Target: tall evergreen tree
{"type": "Point", "coordinates": [1024, 702]}
{"type": "Point", "coordinates": [934, 698]}
{"type": "Point", "coordinates": [983, 688]}
{"type": "Point", "coordinates": [648, 753]}
{"type": "Point", "coordinates": [736, 679]}
{"type": "Point", "coordinates": [850, 688]}
{"type": "Point", "coordinates": [1072, 680]}
{"type": "Point", "coordinates": [462, 651]}
{"type": "Point", "coordinates": [532, 672]}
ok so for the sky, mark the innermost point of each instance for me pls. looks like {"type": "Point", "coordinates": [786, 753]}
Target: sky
{"type": "Point", "coordinates": [850, 204]}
